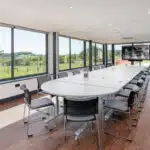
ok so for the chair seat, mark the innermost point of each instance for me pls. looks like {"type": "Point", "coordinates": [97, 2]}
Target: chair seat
{"type": "Point", "coordinates": [133, 87]}
{"type": "Point", "coordinates": [81, 118]}
{"type": "Point", "coordinates": [124, 93]}
{"type": "Point", "coordinates": [41, 102]}
{"type": "Point", "coordinates": [140, 81]}
{"type": "Point", "coordinates": [118, 103]}
{"type": "Point", "coordinates": [134, 81]}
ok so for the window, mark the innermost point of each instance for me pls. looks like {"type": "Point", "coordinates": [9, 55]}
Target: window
{"type": "Point", "coordinates": [109, 53]}
{"type": "Point", "coordinates": [87, 53]}
{"type": "Point", "coordinates": [93, 54]}
{"type": "Point", "coordinates": [77, 53]}
{"type": "Point", "coordinates": [99, 54]}
{"type": "Point", "coordinates": [118, 54]}
{"type": "Point", "coordinates": [5, 53]}
{"type": "Point", "coordinates": [63, 53]}
{"type": "Point", "coordinates": [29, 53]}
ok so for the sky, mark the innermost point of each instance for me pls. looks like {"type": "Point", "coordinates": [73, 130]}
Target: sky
{"type": "Point", "coordinates": [24, 41]}
{"type": "Point", "coordinates": [27, 41]}
{"type": "Point", "coordinates": [76, 46]}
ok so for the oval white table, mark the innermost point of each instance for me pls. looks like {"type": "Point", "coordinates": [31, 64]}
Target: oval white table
{"type": "Point", "coordinates": [99, 83]}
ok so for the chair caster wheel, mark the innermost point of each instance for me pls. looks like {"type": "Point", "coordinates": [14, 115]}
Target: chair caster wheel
{"type": "Point", "coordinates": [30, 135]}
{"type": "Point", "coordinates": [130, 140]}
{"type": "Point", "coordinates": [43, 118]}
{"type": "Point", "coordinates": [25, 122]}
{"type": "Point", "coordinates": [46, 126]}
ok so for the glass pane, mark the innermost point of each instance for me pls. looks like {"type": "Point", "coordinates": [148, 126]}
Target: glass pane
{"type": "Point", "coordinates": [99, 53]}
{"type": "Point", "coordinates": [87, 53]}
{"type": "Point", "coordinates": [109, 53]}
{"type": "Point", "coordinates": [29, 53]}
{"type": "Point", "coordinates": [93, 53]}
{"type": "Point", "coordinates": [63, 53]}
{"type": "Point", "coordinates": [5, 53]}
{"type": "Point", "coordinates": [77, 53]}
{"type": "Point", "coordinates": [118, 54]}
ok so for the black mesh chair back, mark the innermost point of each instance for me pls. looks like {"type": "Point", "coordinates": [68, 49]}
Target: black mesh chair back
{"type": "Point", "coordinates": [76, 72]}
{"type": "Point", "coordinates": [131, 99]}
{"type": "Point", "coordinates": [96, 67]}
{"type": "Point", "coordinates": [86, 69]}
{"type": "Point", "coordinates": [62, 74]}
{"type": "Point", "coordinates": [27, 94]}
{"type": "Point", "coordinates": [43, 78]}
{"type": "Point", "coordinates": [140, 83]}
{"type": "Point", "coordinates": [103, 66]}
{"type": "Point", "coordinates": [81, 108]}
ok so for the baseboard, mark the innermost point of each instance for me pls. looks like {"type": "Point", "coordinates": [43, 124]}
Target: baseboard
{"type": "Point", "coordinates": [13, 98]}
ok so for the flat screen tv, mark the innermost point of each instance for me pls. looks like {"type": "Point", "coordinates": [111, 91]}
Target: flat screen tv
{"type": "Point", "coordinates": [136, 52]}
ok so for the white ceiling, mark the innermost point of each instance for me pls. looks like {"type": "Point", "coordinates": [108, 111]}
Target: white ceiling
{"type": "Point", "coordinates": [100, 20]}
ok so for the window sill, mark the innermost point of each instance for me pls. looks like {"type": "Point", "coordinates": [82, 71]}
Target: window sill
{"type": "Point", "coordinates": [21, 79]}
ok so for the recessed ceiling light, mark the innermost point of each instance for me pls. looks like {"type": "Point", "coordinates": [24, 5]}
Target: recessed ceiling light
{"type": "Point", "coordinates": [70, 7]}
{"type": "Point", "coordinates": [148, 11]}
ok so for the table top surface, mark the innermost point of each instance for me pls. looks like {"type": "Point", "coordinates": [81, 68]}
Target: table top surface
{"type": "Point", "coordinates": [99, 82]}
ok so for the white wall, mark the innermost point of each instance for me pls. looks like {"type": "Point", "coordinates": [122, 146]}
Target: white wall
{"type": "Point", "coordinates": [8, 90]}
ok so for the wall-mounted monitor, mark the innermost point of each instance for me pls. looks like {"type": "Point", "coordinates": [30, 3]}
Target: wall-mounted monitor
{"type": "Point", "coordinates": [136, 52]}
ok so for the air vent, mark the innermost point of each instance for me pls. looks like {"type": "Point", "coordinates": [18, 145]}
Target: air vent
{"type": "Point", "coordinates": [127, 38]}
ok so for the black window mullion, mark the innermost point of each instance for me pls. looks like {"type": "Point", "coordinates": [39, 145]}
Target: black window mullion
{"type": "Point", "coordinates": [46, 48]}
{"type": "Point", "coordinates": [90, 55]}
{"type": "Point", "coordinates": [12, 53]}
{"type": "Point", "coordinates": [106, 56]}
{"type": "Point", "coordinates": [113, 55]}
{"type": "Point", "coordinates": [94, 54]}
{"type": "Point", "coordinates": [84, 57]}
{"type": "Point", "coordinates": [54, 53]}
{"type": "Point", "coordinates": [103, 54]}
{"type": "Point", "coordinates": [69, 53]}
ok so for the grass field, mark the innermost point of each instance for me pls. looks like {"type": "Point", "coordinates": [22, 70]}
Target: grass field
{"type": "Point", "coordinates": [73, 65]}
{"type": "Point", "coordinates": [5, 72]}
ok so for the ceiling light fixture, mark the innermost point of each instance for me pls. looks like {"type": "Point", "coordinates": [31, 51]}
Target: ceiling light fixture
{"type": "Point", "coordinates": [70, 7]}
{"type": "Point", "coordinates": [148, 11]}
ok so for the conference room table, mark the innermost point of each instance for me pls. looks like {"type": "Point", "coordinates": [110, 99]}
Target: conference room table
{"type": "Point", "coordinates": [98, 83]}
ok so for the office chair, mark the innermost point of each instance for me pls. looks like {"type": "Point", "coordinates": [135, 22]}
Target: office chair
{"type": "Point", "coordinates": [121, 104]}
{"type": "Point", "coordinates": [77, 71]}
{"type": "Point", "coordinates": [34, 104]}
{"type": "Point", "coordinates": [42, 79]}
{"type": "Point", "coordinates": [62, 74]}
{"type": "Point", "coordinates": [81, 110]}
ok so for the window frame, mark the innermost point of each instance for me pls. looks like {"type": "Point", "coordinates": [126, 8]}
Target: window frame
{"type": "Point", "coordinates": [84, 50]}
{"type": "Point", "coordinates": [102, 54]}
{"type": "Point", "coordinates": [71, 52]}
{"type": "Point", "coordinates": [96, 54]}
{"type": "Point", "coordinates": [12, 78]}
{"type": "Point", "coordinates": [111, 54]}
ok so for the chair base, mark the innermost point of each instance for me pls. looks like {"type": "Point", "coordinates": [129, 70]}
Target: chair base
{"type": "Point", "coordinates": [30, 135]}
{"type": "Point", "coordinates": [25, 122]}
{"type": "Point", "coordinates": [120, 137]}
